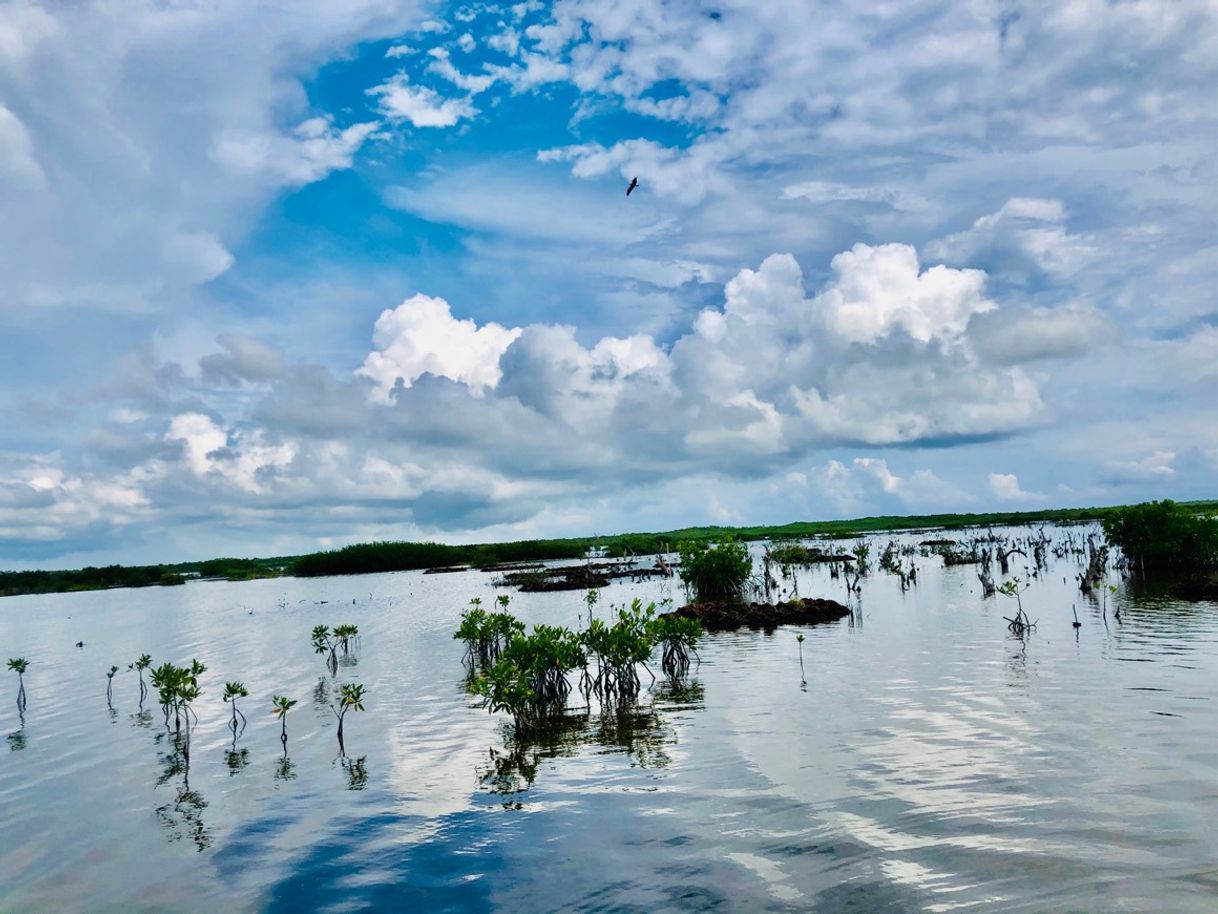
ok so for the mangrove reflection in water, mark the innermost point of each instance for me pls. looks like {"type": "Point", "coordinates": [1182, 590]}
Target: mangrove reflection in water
{"type": "Point", "coordinates": [636, 731]}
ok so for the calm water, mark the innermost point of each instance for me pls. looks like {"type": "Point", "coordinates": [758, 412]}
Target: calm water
{"type": "Point", "coordinates": [932, 762]}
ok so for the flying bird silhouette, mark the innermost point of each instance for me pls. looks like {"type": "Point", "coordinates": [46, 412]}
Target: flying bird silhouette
{"type": "Point", "coordinates": [634, 182]}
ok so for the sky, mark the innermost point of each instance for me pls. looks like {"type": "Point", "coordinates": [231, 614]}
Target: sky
{"type": "Point", "coordinates": [277, 277]}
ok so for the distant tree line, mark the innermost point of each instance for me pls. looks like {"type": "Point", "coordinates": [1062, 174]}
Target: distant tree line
{"type": "Point", "coordinates": [1152, 535]}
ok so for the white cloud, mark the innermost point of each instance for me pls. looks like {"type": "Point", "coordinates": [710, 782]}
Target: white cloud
{"type": "Point", "coordinates": [835, 192]}
{"type": "Point", "coordinates": [17, 162]}
{"type": "Point", "coordinates": [1027, 233]}
{"type": "Point", "coordinates": [420, 105]}
{"type": "Point", "coordinates": [1154, 466]}
{"type": "Point", "coordinates": [1005, 487]}
{"type": "Point", "coordinates": [878, 289]}
{"type": "Point", "coordinates": [421, 336]}
{"type": "Point", "coordinates": [200, 437]}
{"type": "Point", "coordinates": [137, 139]}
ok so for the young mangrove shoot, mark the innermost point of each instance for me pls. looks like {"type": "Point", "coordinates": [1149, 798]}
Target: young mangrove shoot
{"type": "Point", "coordinates": [19, 665]}
{"type": "Point", "coordinates": [233, 691]}
{"type": "Point", "coordinates": [802, 677]}
{"type": "Point", "coordinates": [110, 686]}
{"type": "Point", "coordinates": [280, 706]}
{"type": "Point", "coordinates": [144, 661]}
{"type": "Point", "coordinates": [350, 698]}
{"type": "Point", "coordinates": [324, 642]}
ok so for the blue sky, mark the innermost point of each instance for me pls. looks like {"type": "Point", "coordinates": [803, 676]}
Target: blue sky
{"type": "Point", "coordinates": [282, 277]}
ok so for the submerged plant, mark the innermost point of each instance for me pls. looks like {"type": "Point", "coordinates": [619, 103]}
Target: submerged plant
{"type": "Point", "coordinates": [280, 706]}
{"type": "Point", "coordinates": [19, 665]}
{"type": "Point", "coordinates": [110, 685]}
{"type": "Point", "coordinates": [233, 691]}
{"type": "Point", "coordinates": [350, 698]}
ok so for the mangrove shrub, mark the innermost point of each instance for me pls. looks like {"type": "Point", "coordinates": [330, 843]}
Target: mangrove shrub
{"type": "Point", "coordinates": [1163, 536]}
{"type": "Point", "coordinates": [715, 572]}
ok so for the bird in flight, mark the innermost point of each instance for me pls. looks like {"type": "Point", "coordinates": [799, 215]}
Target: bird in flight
{"type": "Point", "coordinates": [634, 182]}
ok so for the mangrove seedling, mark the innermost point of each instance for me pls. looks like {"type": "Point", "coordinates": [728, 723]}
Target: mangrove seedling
{"type": "Point", "coordinates": [233, 691]}
{"type": "Point", "coordinates": [350, 698]}
{"type": "Point", "coordinates": [800, 640]}
{"type": "Point", "coordinates": [1013, 588]}
{"type": "Point", "coordinates": [590, 599]}
{"type": "Point", "coordinates": [19, 665]}
{"type": "Point", "coordinates": [144, 661]}
{"type": "Point", "coordinates": [344, 634]}
{"type": "Point", "coordinates": [280, 706]}
{"type": "Point", "coordinates": [677, 636]}
{"type": "Point", "coordinates": [110, 685]}
{"type": "Point", "coordinates": [325, 643]}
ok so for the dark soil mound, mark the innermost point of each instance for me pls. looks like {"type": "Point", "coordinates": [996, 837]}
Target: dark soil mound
{"type": "Point", "coordinates": [447, 569]}
{"type": "Point", "coordinates": [725, 617]}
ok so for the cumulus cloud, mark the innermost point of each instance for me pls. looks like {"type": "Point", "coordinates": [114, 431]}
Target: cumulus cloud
{"type": "Point", "coordinates": [421, 336]}
{"type": "Point", "coordinates": [465, 423]}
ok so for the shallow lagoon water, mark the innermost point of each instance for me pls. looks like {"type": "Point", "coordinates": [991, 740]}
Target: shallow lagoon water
{"type": "Point", "coordinates": [933, 762]}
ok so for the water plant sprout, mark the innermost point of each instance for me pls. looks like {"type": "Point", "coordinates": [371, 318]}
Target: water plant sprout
{"type": "Point", "coordinates": [350, 698]}
{"type": "Point", "coordinates": [110, 685]}
{"type": "Point", "coordinates": [178, 688]}
{"type": "Point", "coordinates": [328, 642]}
{"type": "Point", "coordinates": [324, 642]}
{"type": "Point", "coordinates": [280, 706]}
{"type": "Point", "coordinates": [1013, 588]}
{"type": "Point", "coordinates": [803, 679]}
{"type": "Point", "coordinates": [233, 691]}
{"type": "Point", "coordinates": [144, 661]}
{"type": "Point", "coordinates": [19, 665]}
